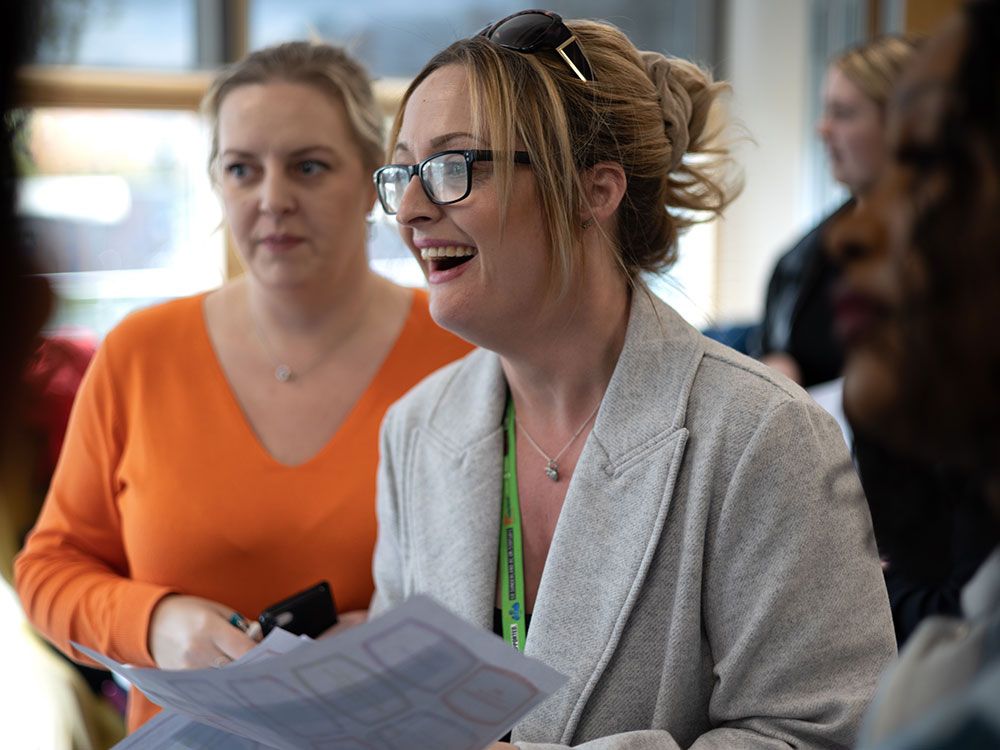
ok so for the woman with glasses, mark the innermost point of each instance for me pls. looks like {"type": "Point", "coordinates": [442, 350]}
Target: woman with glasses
{"type": "Point", "coordinates": [669, 524]}
{"type": "Point", "coordinates": [222, 453]}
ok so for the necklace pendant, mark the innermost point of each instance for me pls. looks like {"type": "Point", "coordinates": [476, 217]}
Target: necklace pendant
{"type": "Point", "coordinates": [283, 373]}
{"type": "Point", "coordinates": [552, 471]}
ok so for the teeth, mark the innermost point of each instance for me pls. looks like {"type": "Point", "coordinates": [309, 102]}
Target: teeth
{"type": "Point", "coordinates": [448, 251]}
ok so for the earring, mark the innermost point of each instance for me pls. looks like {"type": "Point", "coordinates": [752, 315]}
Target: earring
{"type": "Point", "coordinates": [587, 224]}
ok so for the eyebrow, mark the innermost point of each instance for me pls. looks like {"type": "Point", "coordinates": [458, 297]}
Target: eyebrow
{"type": "Point", "coordinates": [297, 152]}
{"type": "Point", "coordinates": [439, 141]}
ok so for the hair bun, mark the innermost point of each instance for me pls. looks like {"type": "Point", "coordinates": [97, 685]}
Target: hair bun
{"type": "Point", "coordinates": [678, 84]}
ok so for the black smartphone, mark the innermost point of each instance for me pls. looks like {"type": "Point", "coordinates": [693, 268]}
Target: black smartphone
{"type": "Point", "coordinates": [309, 612]}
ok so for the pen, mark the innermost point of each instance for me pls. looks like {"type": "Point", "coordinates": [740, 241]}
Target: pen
{"type": "Point", "coordinates": [252, 629]}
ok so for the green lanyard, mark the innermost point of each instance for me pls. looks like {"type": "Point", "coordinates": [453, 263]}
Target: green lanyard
{"type": "Point", "coordinates": [510, 567]}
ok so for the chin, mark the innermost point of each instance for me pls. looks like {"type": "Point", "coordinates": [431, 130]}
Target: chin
{"type": "Point", "coordinates": [870, 395]}
{"type": "Point", "coordinates": [915, 421]}
{"type": "Point", "coordinates": [876, 407]}
{"type": "Point", "coordinates": [283, 282]}
{"type": "Point", "coordinates": [456, 316]}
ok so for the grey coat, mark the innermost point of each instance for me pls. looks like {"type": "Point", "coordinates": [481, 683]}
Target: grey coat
{"type": "Point", "coordinates": [712, 581]}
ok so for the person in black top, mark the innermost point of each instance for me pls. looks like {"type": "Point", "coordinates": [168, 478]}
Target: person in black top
{"type": "Point", "coordinates": [932, 527]}
{"type": "Point", "coordinates": [796, 336]}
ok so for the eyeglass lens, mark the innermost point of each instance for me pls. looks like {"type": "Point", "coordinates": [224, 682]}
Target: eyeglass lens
{"type": "Point", "coordinates": [445, 179]}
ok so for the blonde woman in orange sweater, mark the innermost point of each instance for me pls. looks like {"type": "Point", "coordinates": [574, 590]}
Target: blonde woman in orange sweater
{"type": "Point", "coordinates": [222, 451]}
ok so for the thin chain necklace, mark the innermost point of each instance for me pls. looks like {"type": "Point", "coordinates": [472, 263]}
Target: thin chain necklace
{"type": "Point", "coordinates": [552, 462]}
{"type": "Point", "coordinates": [283, 372]}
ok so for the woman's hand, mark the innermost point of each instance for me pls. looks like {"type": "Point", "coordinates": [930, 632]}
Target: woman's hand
{"type": "Point", "coordinates": [346, 621]}
{"type": "Point", "coordinates": [187, 632]}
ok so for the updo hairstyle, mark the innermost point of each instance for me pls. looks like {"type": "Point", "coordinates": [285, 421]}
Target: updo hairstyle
{"type": "Point", "coordinates": [647, 112]}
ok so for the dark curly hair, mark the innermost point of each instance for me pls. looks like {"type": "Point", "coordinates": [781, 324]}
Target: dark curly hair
{"type": "Point", "coordinates": [943, 463]}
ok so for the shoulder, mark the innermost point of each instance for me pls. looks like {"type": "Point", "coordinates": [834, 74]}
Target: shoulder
{"type": "Point", "coordinates": [941, 683]}
{"type": "Point", "coordinates": [720, 393]}
{"type": "Point", "coordinates": [173, 319]}
{"type": "Point", "coordinates": [727, 371]}
{"type": "Point", "coordinates": [675, 360]}
{"type": "Point", "coordinates": [747, 420]}
{"type": "Point", "coordinates": [155, 336]}
{"type": "Point", "coordinates": [739, 395]}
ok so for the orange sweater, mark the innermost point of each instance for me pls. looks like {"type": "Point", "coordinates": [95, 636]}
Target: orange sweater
{"type": "Point", "coordinates": [163, 487]}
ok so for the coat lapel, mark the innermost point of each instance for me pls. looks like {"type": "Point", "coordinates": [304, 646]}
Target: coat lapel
{"type": "Point", "coordinates": [614, 513]}
{"type": "Point", "coordinates": [458, 458]}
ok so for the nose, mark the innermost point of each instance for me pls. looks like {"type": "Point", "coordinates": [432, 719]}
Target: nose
{"type": "Point", "coordinates": [823, 128]}
{"type": "Point", "coordinates": [277, 195]}
{"type": "Point", "coordinates": [415, 207]}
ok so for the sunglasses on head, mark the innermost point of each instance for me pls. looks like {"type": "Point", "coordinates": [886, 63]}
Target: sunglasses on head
{"type": "Point", "coordinates": [540, 31]}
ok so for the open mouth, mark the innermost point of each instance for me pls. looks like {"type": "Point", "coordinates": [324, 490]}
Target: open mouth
{"type": "Point", "coordinates": [447, 256]}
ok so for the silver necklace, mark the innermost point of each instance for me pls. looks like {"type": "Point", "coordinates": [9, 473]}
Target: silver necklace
{"type": "Point", "coordinates": [283, 372]}
{"type": "Point", "coordinates": [552, 462]}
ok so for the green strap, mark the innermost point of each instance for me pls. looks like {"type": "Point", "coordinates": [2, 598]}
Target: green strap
{"type": "Point", "coordinates": [510, 569]}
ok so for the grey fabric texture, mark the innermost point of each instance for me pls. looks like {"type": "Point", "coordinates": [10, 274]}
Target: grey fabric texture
{"type": "Point", "coordinates": [713, 580]}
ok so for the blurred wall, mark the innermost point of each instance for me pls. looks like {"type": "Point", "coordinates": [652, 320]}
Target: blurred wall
{"type": "Point", "coordinates": [765, 56]}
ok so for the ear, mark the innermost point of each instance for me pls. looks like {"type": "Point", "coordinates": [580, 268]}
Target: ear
{"type": "Point", "coordinates": [604, 187]}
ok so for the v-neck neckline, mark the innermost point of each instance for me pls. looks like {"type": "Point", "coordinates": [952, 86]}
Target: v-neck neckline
{"type": "Point", "coordinates": [367, 400]}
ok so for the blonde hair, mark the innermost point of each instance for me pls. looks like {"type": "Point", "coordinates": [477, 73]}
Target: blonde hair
{"type": "Point", "coordinates": [875, 67]}
{"type": "Point", "coordinates": [327, 68]}
{"type": "Point", "coordinates": [643, 111]}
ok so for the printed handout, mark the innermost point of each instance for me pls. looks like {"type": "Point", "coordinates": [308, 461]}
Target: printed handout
{"type": "Point", "coordinates": [418, 676]}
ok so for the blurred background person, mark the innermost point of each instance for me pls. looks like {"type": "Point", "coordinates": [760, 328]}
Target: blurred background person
{"type": "Point", "coordinates": [798, 338]}
{"type": "Point", "coordinates": [222, 449]}
{"type": "Point", "coordinates": [43, 702]}
{"type": "Point", "coordinates": [907, 496]}
{"type": "Point", "coordinates": [922, 498]}
{"type": "Point", "coordinates": [796, 335]}
{"type": "Point", "coordinates": [917, 309]}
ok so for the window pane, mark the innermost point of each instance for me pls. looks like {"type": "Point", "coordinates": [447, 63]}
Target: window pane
{"type": "Point", "coordinates": [396, 37]}
{"type": "Point", "coordinates": [388, 254]}
{"type": "Point", "coordinates": [119, 208]}
{"type": "Point", "coordinates": [833, 27]}
{"type": "Point", "coordinates": [119, 34]}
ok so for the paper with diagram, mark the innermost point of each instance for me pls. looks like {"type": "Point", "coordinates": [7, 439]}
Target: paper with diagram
{"type": "Point", "coordinates": [417, 676]}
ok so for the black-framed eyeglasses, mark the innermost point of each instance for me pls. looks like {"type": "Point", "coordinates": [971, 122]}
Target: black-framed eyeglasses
{"type": "Point", "coordinates": [446, 177]}
{"type": "Point", "coordinates": [540, 31]}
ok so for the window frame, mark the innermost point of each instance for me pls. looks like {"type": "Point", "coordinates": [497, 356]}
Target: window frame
{"type": "Point", "coordinates": [223, 37]}
{"type": "Point", "coordinates": [90, 88]}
